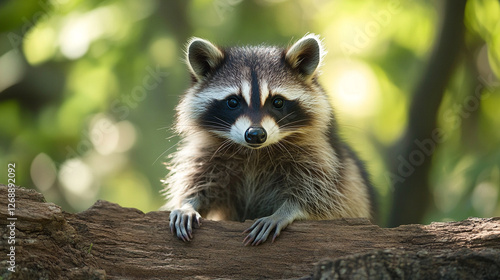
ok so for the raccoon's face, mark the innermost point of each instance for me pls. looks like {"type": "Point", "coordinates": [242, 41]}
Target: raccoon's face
{"type": "Point", "coordinates": [254, 96]}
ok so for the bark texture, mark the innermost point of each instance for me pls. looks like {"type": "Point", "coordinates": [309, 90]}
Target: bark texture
{"type": "Point", "coordinates": [108, 241]}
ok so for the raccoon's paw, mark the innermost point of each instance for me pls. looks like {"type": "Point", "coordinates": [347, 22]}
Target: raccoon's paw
{"type": "Point", "coordinates": [261, 229]}
{"type": "Point", "coordinates": [182, 222]}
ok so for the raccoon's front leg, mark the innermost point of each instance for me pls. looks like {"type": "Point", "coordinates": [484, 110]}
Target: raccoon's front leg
{"type": "Point", "coordinates": [182, 220]}
{"type": "Point", "coordinates": [260, 230]}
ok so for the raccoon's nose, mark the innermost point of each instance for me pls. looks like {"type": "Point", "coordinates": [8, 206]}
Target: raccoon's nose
{"type": "Point", "coordinates": [255, 135]}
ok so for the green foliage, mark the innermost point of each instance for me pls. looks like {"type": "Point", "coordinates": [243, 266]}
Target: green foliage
{"type": "Point", "coordinates": [88, 90]}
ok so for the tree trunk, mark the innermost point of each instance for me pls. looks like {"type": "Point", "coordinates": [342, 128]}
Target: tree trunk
{"type": "Point", "coordinates": [410, 160]}
{"type": "Point", "coordinates": [111, 242]}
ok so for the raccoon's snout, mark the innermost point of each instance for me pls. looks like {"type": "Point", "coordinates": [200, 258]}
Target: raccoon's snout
{"type": "Point", "coordinates": [255, 135]}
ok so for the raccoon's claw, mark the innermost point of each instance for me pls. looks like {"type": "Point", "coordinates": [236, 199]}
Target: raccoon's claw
{"type": "Point", "coordinates": [261, 229]}
{"type": "Point", "coordinates": [181, 223]}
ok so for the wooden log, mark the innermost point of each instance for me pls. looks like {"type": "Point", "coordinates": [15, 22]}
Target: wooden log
{"type": "Point", "coordinates": [108, 241]}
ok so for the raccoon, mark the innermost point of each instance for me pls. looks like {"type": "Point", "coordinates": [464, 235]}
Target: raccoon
{"type": "Point", "coordinates": [259, 140]}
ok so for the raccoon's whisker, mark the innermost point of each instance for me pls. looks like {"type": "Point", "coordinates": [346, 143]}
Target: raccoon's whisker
{"type": "Point", "coordinates": [171, 136]}
{"type": "Point", "coordinates": [217, 124]}
{"type": "Point", "coordinates": [171, 128]}
{"type": "Point", "coordinates": [284, 148]}
{"type": "Point", "coordinates": [238, 150]}
{"type": "Point", "coordinates": [227, 145]}
{"type": "Point", "coordinates": [274, 130]}
{"type": "Point", "coordinates": [267, 149]}
{"type": "Point", "coordinates": [293, 124]}
{"type": "Point", "coordinates": [166, 151]}
{"type": "Point", "coordinates": [306, 152]}
{"type": "Point", "coordinates": [250, 156]}
{"type": "Point", "coordinates": [223, 121]}
{"type": "Point", "coordinates": [224, 145]}
{"type": "Point", "coordinates": [223, 148]}
{"type": "Point", "coordinates": [213, 124]}
{"type": "Point", "coordinates": [283, 118]}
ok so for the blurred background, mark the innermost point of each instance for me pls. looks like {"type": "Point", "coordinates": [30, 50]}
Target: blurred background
{"type": "Point", "coordinates": [88, 91]}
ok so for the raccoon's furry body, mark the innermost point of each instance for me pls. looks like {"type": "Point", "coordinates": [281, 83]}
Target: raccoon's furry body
{"type": "Point", "coordinates": [259, 140]}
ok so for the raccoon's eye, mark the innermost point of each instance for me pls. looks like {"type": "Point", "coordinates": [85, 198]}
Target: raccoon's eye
{"type": "Point", "coordinates": [233, 103]}
{"type": "Point", "coordinates": [278, 103]}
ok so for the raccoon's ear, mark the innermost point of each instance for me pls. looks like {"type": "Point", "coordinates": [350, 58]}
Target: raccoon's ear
{"type": "Point", "coordinates": [202, 57]}
{"type": "Point", "coordinates": [305, 55]}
